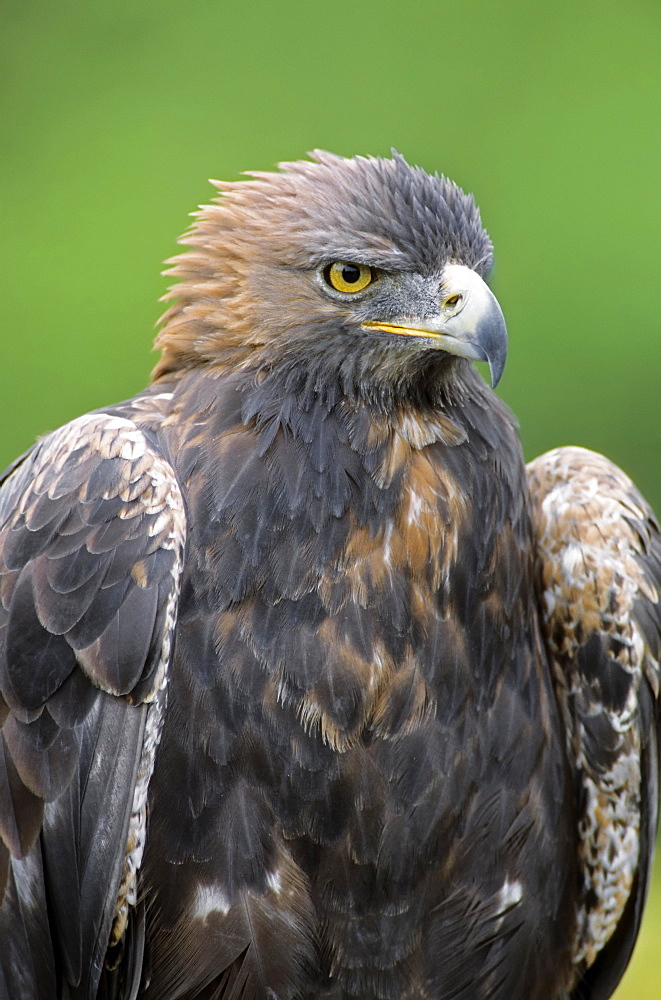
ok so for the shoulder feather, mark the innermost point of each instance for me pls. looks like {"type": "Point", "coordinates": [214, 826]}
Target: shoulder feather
{"type": "Point", "coordinates": [92, 529]}
{"type": "Point", "coordinates": [599, 555]}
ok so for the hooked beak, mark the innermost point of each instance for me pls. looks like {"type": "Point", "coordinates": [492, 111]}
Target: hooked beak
{"type": "Point", "coordinates": [469, 322]}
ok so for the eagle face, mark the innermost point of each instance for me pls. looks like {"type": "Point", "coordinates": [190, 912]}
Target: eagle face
{"type": "Point", "coordinates": [309, 688]}
{"type": "Point", "coordinates": [331, 268]}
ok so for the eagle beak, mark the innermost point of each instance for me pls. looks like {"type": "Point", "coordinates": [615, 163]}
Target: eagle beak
{"type": "Point", "coordinates": [469, 323]}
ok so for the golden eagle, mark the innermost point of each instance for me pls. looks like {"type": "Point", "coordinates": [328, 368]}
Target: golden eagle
{"type": "Point", "coordinates": [310, 689]}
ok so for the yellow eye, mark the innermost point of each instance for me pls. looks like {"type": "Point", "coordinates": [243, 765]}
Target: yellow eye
{"type": "Point", "coordinates": [347, 277]}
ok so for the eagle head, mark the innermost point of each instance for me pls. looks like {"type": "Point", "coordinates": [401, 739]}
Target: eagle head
{"type": "Point", "coordinates": [366, 269]}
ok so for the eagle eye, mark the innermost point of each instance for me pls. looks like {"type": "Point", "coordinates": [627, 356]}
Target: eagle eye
{"type": "Point", "coordinates": [344, 276]}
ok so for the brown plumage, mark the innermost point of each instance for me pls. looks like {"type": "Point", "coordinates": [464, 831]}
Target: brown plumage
{"type": "Point", "coordinates": [309, 689]}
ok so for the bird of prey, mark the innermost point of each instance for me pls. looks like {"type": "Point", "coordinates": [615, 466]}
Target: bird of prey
{"type": "Point", "coordinates": [310, 689]}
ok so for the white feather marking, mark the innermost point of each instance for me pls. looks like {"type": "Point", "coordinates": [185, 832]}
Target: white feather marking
{"type": "Point", "coordinates": [572, 560]}
{"type": "Point", "coordinates": [415, 507]}
{"type": "Point", "coordinates": [387, 549]}
{"type": "Point", "coordinates": [29, 881]}
{"type": "Point", "coordinates": [509, 894]}
{"type": "Point", "coordinates": [210, 899]}
{"type": "Point", "coordinates": [274, 883]}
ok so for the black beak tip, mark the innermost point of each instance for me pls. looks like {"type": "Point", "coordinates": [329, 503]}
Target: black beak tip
{"type": "Point", "coordinates": [492, 338]}
{"type": "Point", "coordinates": [497, 367]}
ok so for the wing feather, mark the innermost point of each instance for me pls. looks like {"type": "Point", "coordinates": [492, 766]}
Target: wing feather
{"type": "Point", "coordinates": [599, 554]}
{"type": "Point", "coordinates": [92, 530]}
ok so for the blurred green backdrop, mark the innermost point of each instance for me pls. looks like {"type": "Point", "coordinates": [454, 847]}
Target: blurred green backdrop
{"type": "Point", "coordinates": [112, 115]}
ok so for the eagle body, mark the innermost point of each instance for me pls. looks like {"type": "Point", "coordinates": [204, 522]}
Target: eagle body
{"type": "Point", "coordinates": [310, 689]}
{"type": "Point", "coordinates": [369, 695]}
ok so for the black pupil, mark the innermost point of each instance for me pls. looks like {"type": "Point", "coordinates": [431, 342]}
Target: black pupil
{"type": "Point", "coordinates": [350, 274]}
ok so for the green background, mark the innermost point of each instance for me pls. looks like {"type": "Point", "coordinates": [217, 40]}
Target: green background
{"type": "Point", "coordinates": [114, 114]}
